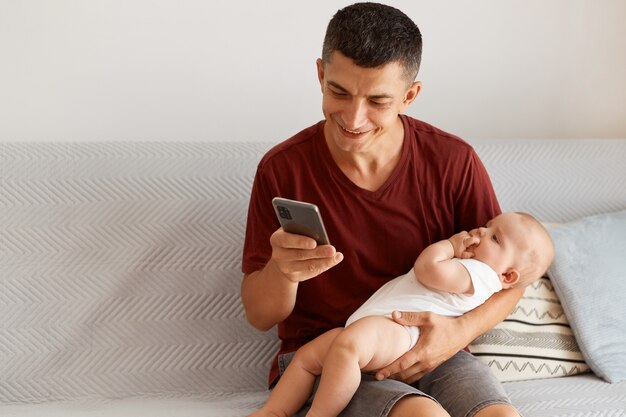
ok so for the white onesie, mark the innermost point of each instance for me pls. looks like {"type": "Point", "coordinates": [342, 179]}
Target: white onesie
{"type": "Point", "coordinates": [406, 293]}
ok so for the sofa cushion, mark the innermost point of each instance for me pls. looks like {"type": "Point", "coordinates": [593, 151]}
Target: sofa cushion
{"type": "Point", "coordinates": [589, 275]}
{"type": "Point", "coordinates": [238, 405]}
{"type": "Point", "coordinates": [535, 341]}
{"type": "Point", "coordinates": [576, 396]}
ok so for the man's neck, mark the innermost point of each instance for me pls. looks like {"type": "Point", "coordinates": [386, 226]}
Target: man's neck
{"type": "Point", "coordinates": [370, 168]}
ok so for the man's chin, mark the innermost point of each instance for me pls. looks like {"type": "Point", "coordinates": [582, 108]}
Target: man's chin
{"type": "Point", "coordinates": [348, 141]}
{"type": "Point", "coordinates": [351, 144]}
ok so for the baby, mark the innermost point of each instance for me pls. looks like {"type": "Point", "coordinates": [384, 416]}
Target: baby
{"type": "Point", "coordinates": [450, 277]}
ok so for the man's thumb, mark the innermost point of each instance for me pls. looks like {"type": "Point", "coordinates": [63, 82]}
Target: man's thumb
{"type": "Point", "coordinates": [407, 317]}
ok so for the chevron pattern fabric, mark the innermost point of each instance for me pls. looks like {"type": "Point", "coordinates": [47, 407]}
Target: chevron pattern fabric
{"type": "Point", "coordinates": [577, 396]}
{"type": "Point", "coordinates": [557, 180]}
{"type": "Point", "coordinates": [120, 270]}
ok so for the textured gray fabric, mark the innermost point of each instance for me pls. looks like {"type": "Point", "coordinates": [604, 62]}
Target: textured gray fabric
{"type": "Point", "coordinates": [572, 396]}
{"type": "Point", "coordinates": [589, 274]}
{"type": "Point", "coordinates": [120, 263]}
{"type": "Point", "coordinates": [120, 271]}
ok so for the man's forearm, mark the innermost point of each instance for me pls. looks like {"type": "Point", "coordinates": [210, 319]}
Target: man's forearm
{"type": "Point", "coordinates": [268, 297]}
{"type": "Point", "coordinates": [490, 313]}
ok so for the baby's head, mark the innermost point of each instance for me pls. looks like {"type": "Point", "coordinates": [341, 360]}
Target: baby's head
{"type": "Point", "coordinates": [517, 246]}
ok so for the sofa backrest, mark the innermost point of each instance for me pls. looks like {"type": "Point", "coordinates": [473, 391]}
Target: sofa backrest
{"type": "Point", "coordinates": [557, 180]}
{"type": "Point", "coordinates": [120, 268]}
{"type": "Point", "coordinates": [120, 262]}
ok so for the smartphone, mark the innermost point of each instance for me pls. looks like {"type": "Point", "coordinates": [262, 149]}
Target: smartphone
{"type": "Point", "coordinates": [300, 218]}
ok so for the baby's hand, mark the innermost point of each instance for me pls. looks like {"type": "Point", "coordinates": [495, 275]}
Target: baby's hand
{"type": "Point", "coordinates": [461, 242]}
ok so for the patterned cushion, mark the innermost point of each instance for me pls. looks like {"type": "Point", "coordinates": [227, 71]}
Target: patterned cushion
{"type": "Point", "coordinates": [534, 342]}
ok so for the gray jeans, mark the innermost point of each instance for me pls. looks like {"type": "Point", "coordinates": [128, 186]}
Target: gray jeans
{"type": "Point", "coordinates": [462, 385]}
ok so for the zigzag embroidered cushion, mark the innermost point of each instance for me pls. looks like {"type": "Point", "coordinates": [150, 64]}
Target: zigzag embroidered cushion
{"type": "Point", "coordinates": [534, 342]}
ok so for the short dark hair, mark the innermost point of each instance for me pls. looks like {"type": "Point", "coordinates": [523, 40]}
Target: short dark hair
{"type": "Point", "coordinates": [373, 35]}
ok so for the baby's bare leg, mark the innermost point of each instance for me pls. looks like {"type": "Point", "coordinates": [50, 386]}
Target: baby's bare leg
{"type": "Point", "coordinates": [296, 384]}
{"type": "Point", "coordinates": [368, 344]}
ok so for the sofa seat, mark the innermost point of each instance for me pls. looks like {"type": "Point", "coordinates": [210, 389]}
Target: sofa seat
{"type": "Point", "coordinates": [580, 395]}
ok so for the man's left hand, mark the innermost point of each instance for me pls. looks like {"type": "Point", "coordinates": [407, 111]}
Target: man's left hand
{"type": "Point", "coordinates": [440, 338]}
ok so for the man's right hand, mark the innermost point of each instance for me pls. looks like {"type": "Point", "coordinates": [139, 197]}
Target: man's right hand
{"type": "Point", "coordinates": [269, 294]}
{"type": "Point", "coordinates": [299, 258]}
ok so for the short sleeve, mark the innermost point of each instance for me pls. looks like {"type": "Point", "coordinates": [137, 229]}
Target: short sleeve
{"type": "Point", "coordinates": [476, 201]}
{"type": "Point", "coordinates": [484, 279]}
{"type": "Point", "coordinates": [261, 223]}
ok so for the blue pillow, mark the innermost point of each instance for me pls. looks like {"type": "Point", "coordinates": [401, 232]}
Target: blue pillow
{"type": "Point", "coordinates": [589, 276]}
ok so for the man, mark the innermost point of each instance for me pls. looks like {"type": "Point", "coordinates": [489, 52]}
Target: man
{"type": "Point", "coordinates": [387, 186]}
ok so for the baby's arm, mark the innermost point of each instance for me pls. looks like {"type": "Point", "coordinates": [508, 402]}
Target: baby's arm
{"type": "Point", "coordinates": [436, 269]}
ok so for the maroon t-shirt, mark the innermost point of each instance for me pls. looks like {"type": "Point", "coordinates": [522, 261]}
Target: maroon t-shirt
{"type": "Point", "coordinates": [439, 187]}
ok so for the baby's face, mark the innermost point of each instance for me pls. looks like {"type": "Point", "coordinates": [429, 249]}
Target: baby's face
{"type": "Point", "coordinates": [501, 242]}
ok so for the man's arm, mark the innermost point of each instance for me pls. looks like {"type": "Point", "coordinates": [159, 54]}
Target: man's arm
{"type": "Point", "coordinates": [268, 297]}
{"type": "Point", "coordinates": [493, 311]}
{"type": "Point", "coordinates": [269, 294]}
{"type": "Point", "coordinates": [442, 337]}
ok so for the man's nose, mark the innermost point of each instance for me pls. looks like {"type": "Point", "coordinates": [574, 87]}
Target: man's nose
{"type": "Point", "coordinates": [355, 114]}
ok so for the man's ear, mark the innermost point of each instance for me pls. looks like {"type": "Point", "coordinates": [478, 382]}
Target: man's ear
{"type": "Point", "coordinates": [320, 72]}
{"type": "Point", "coordinates": [411, 94]}
{"type": "Point", "coordinates": [511, 277]}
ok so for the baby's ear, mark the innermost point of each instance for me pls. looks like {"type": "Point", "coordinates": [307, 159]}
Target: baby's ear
{"type": "Point", "coordinates": [510, 278]}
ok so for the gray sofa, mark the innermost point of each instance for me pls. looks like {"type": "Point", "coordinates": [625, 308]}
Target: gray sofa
{"type": "Point", "coordinates": [120, 274]}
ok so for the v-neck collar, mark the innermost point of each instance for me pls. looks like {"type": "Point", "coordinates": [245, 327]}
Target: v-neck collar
{"type": "Point", "coordinates": [338, 174]}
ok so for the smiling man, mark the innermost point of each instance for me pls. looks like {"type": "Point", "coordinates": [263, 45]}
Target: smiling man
{"type": "Point", "coordinates": [387, 186]}
{"type": "Point", "coordinates": [361, 105]}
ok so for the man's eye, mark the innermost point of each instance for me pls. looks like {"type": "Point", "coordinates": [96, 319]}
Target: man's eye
{"type": "Point", "coordinates": [337, 93]}
{"type": "Point", "coordinates": [379, 104]}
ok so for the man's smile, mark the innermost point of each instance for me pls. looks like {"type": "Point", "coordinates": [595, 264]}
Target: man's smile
{"type": "Point", "coordinates": [353, 133]}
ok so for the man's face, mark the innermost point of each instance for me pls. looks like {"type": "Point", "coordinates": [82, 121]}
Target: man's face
{"type": "Point", "coordinates": [361, 105]}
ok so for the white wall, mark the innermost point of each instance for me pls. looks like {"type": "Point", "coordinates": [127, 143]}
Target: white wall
{"type": "Point", "coordinates": [240, 70]}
